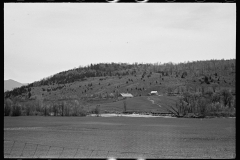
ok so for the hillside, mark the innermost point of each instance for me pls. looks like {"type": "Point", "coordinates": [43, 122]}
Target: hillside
{"type": "Point", "coordinates": [102, 83]}
{"type": "Point", "coordinates": [11, 84]}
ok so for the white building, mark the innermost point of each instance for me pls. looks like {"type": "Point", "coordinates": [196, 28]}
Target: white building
{"type": "Point", "coordinates": [154, 92]}
{"type": "Point", "coordinates": [126, 95]}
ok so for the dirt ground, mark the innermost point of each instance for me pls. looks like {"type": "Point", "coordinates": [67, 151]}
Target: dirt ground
{"type": "Point", "coordinates": [119, 137]}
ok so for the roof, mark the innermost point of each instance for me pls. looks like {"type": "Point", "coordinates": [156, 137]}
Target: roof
{"type": "Point", "coordinates": [154, 91]}
{"type": "Point", "coordinates": [126, 94]}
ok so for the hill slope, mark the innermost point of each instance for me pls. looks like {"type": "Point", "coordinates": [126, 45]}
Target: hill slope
{"type": "Point", "coordinates": [102, 83]}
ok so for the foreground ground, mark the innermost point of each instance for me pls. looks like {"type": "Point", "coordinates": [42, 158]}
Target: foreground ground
{"type": "Point", "coordinates": [119, 137]}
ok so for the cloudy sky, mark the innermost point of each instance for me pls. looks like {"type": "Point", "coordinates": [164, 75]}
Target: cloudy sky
{"type": "Point", "coordinates": [42, 39]}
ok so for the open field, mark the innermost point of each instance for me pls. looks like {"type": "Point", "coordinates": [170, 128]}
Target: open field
{"type": "Point", "coordinates": [156, 104]}
{"type": "Point", "coordinates": [120, 137]}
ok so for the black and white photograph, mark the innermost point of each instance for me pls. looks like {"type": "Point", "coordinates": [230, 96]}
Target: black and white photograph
{"type": "Point", "coordinates": [119, 80]}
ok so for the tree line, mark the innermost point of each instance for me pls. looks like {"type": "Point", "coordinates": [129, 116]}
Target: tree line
{"type": "Point", "coordinates": [13, 107]}
{"type": "Point", "coordinates": [202, 104]}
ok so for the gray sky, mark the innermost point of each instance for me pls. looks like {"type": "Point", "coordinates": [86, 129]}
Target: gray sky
{"type": "Point", "coordinates": [42, 39]}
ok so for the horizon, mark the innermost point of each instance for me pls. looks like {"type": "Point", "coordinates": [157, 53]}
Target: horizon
{"type": "Point", "coordinates": [51, 38]}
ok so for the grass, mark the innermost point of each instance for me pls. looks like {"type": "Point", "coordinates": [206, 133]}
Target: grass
{"type": "Point", "coordinates": [212, 138]}
{"type": "Point", "coordinates": [141, 104]}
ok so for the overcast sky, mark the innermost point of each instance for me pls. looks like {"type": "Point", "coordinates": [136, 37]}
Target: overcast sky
{"type": "Point", "coordinates": [42, 39]}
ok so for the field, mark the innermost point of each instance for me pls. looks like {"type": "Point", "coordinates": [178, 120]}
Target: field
{"type": "Point", "coordinates": [142, 104]}
{"type": "Point", "coordinates": [119, 137]}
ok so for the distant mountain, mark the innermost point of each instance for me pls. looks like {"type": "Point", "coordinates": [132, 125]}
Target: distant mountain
{"type": "Point", "coordinates": [10, 84]}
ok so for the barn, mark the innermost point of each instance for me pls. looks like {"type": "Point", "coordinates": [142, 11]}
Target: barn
{"type": "Point", "coordinates": [125, 95]}
{"type": "Point", "coordinates": [154, 92]}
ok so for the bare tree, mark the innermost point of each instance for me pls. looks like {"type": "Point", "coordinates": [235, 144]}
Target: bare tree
{"type": "Point", "coordinates": [125, 105]}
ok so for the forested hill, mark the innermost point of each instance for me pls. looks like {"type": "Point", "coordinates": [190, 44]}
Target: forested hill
{"type": "Point", "coordinates": [138, 79]}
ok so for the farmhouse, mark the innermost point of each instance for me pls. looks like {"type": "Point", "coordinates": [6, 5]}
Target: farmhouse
{"type": "Point", "coordinates": [154, 92]}
{"type": "Point", "coordinates": [126, 95]}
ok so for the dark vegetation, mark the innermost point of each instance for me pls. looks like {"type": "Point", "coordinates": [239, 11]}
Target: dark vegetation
{"type": "Point", "coordinates": [205, 104]}
{"type": "Point", "coordinates": [206, 87]}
